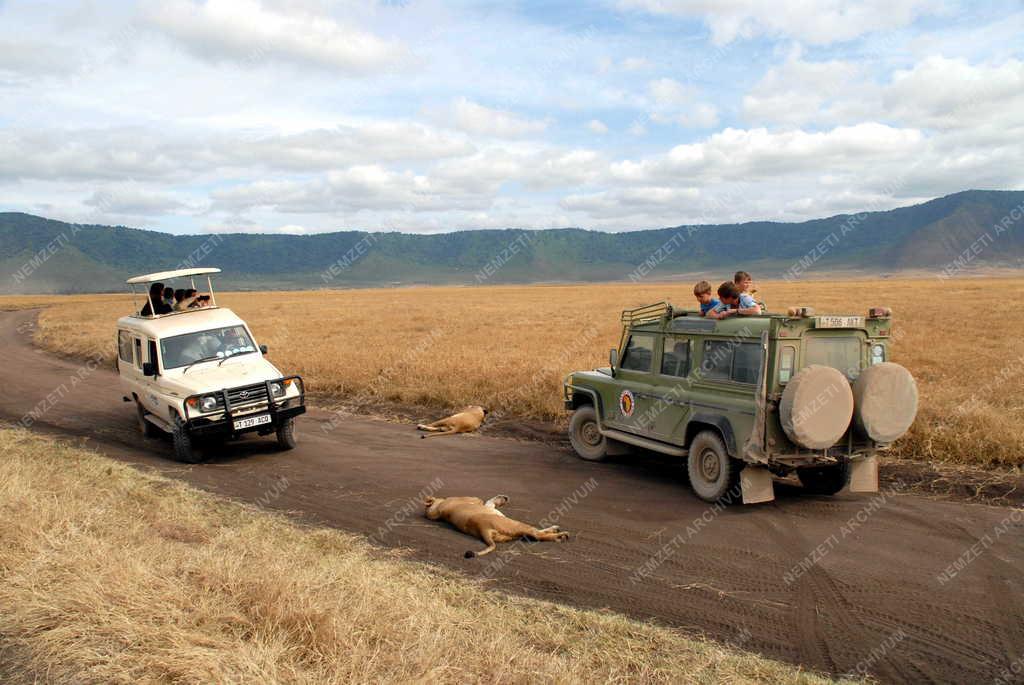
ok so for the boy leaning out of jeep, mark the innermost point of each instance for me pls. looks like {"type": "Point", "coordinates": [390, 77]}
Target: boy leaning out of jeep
{"type": "Point", "coordinates": [733, 303]}
{"type": "Point", "coordinates": [702, 291]}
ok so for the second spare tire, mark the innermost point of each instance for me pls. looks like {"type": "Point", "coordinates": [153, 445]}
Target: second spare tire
{"type": "Point", "coordinates": [816, 407]}
{"type": "Point", "coordinates": [885, 397]}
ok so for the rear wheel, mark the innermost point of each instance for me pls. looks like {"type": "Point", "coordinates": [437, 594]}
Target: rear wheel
{"type": "Point", "coordinates": [286, 434]}
{"type": "Point", "coordinates": [184, 448]}
{"type": "Point", "coordinates": [147, 429]}
{"type": "Point", "coordinates": [585, 436]}
{"type": "Point", "coordinates": [824, 480]}
{"type": "Point", "coordinates": [713, 473]}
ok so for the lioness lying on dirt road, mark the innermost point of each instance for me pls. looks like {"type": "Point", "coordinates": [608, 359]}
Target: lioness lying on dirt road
{"type": "Point", "coordinates": [473, 516]}
{"type": "Point", "coordinates": [466, 421]}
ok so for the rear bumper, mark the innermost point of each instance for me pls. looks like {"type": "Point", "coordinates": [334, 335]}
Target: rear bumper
{"type": "Point", "coordinates": [222, 423]}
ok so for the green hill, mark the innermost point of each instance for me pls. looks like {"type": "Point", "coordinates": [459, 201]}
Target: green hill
{"type": "Point", "coordinates": [41, 255]}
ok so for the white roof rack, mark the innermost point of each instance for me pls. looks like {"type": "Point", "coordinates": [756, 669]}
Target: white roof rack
{"type": "Point", "coordinates": [167, 275]}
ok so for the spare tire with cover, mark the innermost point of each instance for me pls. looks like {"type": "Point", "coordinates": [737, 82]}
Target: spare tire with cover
{"type": "Point", "coordinates": [885, 401]}
{"type": "Point", "coordinates": [816, 407]}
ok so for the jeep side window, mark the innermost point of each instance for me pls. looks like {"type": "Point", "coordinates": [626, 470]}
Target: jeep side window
{"type": "Point", "coordinates": [676, 359]}
{"type": "Point", "coordinates": [746, 362]}
{"type": "Point", "coordinates": [124, 346]}
{"type": "Point", "coordinates": [786, 363]}
{"type": "Point", "coordinates": [727, 360]}
{"type": "Point", "coordinates": [717, 360]}
{"type": "Point", "coordinates": [138, 353]}
{"type": "Point", "coordinates": [152, 352]}
{"type": "Point", "coordinates": [639, 353]}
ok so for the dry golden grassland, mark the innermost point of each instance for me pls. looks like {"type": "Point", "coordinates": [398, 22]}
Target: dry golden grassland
{"type": "Point", "coordinates": [508, 347]}
{"type": "Point", "coordinates": [111, 575]}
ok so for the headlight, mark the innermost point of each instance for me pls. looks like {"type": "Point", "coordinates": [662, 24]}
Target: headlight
{"type": "Point", "coordinates": [877, 354]}
{"type": "Point", "coordinates": [276, 389]}
{"type": "Point", "coordinates": [208, 403]}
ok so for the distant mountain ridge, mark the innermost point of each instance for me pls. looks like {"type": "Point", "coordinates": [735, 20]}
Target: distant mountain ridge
{"type": "Point", "coordinates": [40, 255]}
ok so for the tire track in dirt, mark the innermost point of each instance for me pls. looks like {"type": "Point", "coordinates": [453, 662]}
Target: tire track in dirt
{"type": "Point", "coordinates": [1002, 585]}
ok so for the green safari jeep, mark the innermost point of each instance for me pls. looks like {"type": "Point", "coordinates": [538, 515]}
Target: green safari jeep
{"type": "Point", "coordinates": [745, 398]}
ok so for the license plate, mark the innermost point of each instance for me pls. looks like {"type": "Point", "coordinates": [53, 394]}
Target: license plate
{"type": "Point", "coordinates": [251, 421]}
{"type": "Point", "coordinates": [840, 322]}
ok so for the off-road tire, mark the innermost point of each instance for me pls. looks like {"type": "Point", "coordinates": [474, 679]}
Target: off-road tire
{"type": "Point", "coordinates": [147, 429]}
{"type": "Point", "coordinates": [824, 480]}
{"type": "Point", "coordinates": [184, 449]}
{"type": "Point", "coordinates": [713, 473]}
{"type": "Point", "coordinates": [584, 435]}
{"type": "Point", "coordinates": [286, 434]}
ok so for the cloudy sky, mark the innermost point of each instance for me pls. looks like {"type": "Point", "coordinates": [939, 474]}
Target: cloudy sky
{"type": "Point", "coordinates": [303, 115]}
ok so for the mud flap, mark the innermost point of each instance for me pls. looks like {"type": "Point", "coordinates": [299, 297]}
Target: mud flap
{"type": "Point", "coordinates": [864, 475]}
{"type": "Point", "coordinates": [756, 484]}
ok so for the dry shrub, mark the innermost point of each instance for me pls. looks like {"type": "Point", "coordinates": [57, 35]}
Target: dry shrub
{"type": "Point", "coordinates": [95, 590]}
{"type": "Point", "coordinates": [508, 347]}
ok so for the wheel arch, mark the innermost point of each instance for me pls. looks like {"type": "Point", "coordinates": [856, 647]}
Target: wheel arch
{"type": "Point", "coordinates": [702, 421]}
{"type": "Point", "coordinates": [582, 396]}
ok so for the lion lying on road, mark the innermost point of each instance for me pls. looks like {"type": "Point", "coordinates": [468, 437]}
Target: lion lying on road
{"type": "Point", "coordinates": [466, 421]}
{"type": "Point", "coordinates": [473, 516]}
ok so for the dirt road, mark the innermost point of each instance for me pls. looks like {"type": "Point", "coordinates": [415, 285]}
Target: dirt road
{"type": "Point", "coordinates": [902, 587]}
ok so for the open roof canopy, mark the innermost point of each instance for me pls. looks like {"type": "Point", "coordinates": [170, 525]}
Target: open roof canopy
{"type": "Point", "coordinates": [167, 275]}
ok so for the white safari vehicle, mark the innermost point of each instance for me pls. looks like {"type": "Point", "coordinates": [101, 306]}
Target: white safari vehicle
{"type": "Point", "coordinates": [198, 373]}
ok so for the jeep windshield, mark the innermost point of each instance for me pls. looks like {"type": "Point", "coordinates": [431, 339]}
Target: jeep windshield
{"type": "Point", "coordinates": [211, 345]}
{"type": "Point", "coordinates": [840, 352]}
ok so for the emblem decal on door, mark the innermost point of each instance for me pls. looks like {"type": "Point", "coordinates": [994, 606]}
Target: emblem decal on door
{"type": "Point", "coordinates": [627, 403]}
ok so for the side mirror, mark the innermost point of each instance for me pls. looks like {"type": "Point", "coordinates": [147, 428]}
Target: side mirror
{"type": "Point", "coordinates": [148, 369]}
{"type": "Point", "coordinates": [613, 357]}
{"type": "Point", "coordinates": [264, 349]}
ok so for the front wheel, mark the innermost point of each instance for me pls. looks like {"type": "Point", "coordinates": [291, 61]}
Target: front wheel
{"type": "Point", "coordinates": [286, 434]}
{"type": "Point", "coordinates": [825, 480]}
{"type": "Point", "coordinates": [585, 436]}
{"type": "Point", "coordinates": [184, 449]}
{"type": "Point", "coordinates": [713, 473]}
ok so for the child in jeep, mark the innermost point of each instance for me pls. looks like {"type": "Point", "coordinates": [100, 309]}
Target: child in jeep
{"type": "Point", "coordinates": [745, 283]}
{"type": "Point", "coordinates": [733, 303]}
{"type": "Point", "coordinates": [702, 291]}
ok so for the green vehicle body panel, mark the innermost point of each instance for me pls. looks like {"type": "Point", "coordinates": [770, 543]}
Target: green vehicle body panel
{"type": "Point", "coordinates": [671, 410]}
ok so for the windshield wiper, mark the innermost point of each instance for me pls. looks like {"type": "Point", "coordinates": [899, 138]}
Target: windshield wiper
{"type": "Point", "coordinates": [204, 359]}
{"type": "Point", "coordinates": [229, 356]}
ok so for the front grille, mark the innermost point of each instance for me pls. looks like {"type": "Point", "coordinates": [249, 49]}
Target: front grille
{"type": "Point", "coordinates": [249, 394]}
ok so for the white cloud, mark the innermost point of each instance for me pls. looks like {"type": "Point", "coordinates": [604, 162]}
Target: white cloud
{"type": "Point", "coordinates": [629, 202]}
{"type": "Point", "coordinates": [143, 153]}
{"type": "Point", "coordinates": [700, 115]}
{"type": "Point", "coordinates": [798, 92]}
{"type": "Point", "coordinates": [817, 23]}
{"type": "Point", "coordinates": [597, 126]}
{"type": "Point", "coordinates": [33, 58]}
{"type": "Point", "coordinates": [636, 64]}
{"type": "Point", "coordinates": [758, 153]}
{"type": "Point", "coordinates": [952, 94]}
{"type": "Point", "coordinates": [935, 93]}
{"type": "Point", "coordinates": [670, 92]}
{"type": "Point", "coordinates": [475, 118]}
{"type": "Point", "coordinates": [247, 32]}
{"type": "Point", "coordinates": [129, 200]}
{"type": "Point", "coordinates": [368, 187]}
{"type": "Point", "coordinates": [677, 103]}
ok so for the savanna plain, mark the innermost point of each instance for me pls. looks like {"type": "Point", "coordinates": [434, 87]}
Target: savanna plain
{"type": "Point", "coordinates": [509, 347]}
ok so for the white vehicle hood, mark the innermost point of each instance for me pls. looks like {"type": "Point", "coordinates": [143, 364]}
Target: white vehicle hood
{"type": "Point", "coordinates": [208, 376]}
